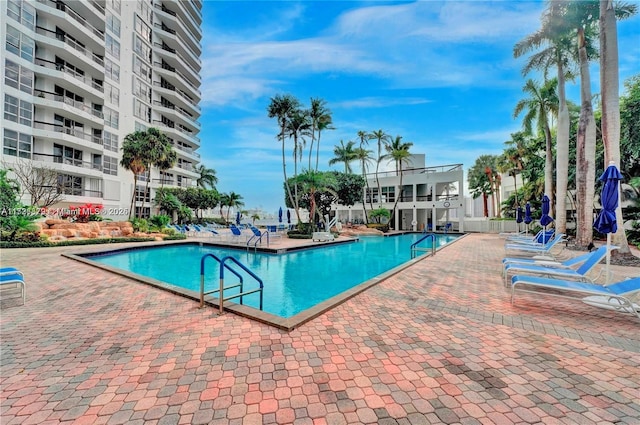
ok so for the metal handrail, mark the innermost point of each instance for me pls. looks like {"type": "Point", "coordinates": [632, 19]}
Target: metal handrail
{"type": "Point", "coordinates": [241, 294]}
{"type": "Point", "coordinates": [258, 240]}
{"type": "Point", "coordinates": [202, 293]}
{"type": "Point", "coordinates": [414, 247]}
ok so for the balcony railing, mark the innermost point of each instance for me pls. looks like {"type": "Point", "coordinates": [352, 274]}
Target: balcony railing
{"type": "Point", "coordinates": [171, 87]}
{"type": "Point", "coordinates": [71, 43]}
{"type": "Point", "coordinates": [68, 101]}
{"type": "Point", "coordinates": [59, 159]}
{"type": "Point", "coordinates": [165, 10]}
{"type": "Point", "coordinates": [79, 192]}
{"type": "Point", "coordinates": [408, 171]}
{"type": "Point", "coordinates": [75, 15]}
{"type": "Point", "coordinates": [75, 132]}
{"type": "Point", "coordinates": [73, 73]}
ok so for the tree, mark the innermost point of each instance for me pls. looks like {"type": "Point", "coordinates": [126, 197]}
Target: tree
{"type": "Point", "coordinates": [398, 152]}
{"type": "Point", "coordinates": [630, 127]}
{"type": "Point", "coordinates": [609, 95]}
{"type": "Point", "coordinates": [512, 160]}
{"type": "Point", "coordinates": [313, 182]}
{"type": "Point", "coordinates": [207, 177]}
{"type": "Point", "coordinates": [282, 108]}
{"type": "Point", "coordinates": [166, 162]}
{"type": "Point", "coordinates": [320, 117]}
{"type": "Point", "coordinates": [158, 151]}
{"type": "Point", "coordinates": [133, 150]}
{"type": "Point", "coordinates": [41, 183]}
{"type": "Point", "coordinates": [480, 182]}
{"type": "Point", "coordinates": [383, 139]}
{"type": "Point", "coordinates": [364, 156]}
{"type": "Point", "coordinates": [345, 154]}
{"type": "Point", "coordinates": [542, 102]}
{"type": "Point", "coordinates": [233, 200]}
{"type": "Point", "coordinates": [298, 127]}
{"type": "Point", "coordinates": [555, 39]}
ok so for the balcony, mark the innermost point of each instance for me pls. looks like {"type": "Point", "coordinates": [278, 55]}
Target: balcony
{"type": "Point", "coordinates": [71, 72]}
{"type": "Point", "coordinates": [81, 106]}
{"type": "Point", "coordinates": [59, 159]}
{"type": "Point", "coordinates": [73, 45]}
{"type": "Point", "coordinates": [59, 5]}
{"type": "Point", "coordinates": [75, 132]}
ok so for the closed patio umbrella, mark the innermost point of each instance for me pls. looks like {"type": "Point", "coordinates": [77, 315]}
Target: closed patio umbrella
{"type": "Point", "coordinates": [527, 216]}
{"type": "Point", "coordinates": [519, 217]}
{"type": "Point", "coordinates": [238, 218]}
{"type": "Point", "coordinates": [288, 217]}
{"type": "Point", "coordinates": [606, 221]}
{"type": "Point", "coordinates": [280, 215]}
{"type": "Point", "coordinates": [545, 218]}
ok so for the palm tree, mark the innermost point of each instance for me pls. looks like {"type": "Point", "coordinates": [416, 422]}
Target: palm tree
{"type": "Point", "coordinates": [512, 159]}
{"type": "Point", "coordinates": [320, 115]}
{"type": "Point", "coordinates": [398, 152]}
{"type": "Point", "coordinates": [233, 200]}
{"type": "Point", "coordinates": [542, 102]}
{"type": "Point", "coordinates": [479, 184]}
{"type": "Point", "coordinates": [282, 108]}
{"type": "Point", "coordinates": [364, 155]}
{"type": "Point", "coordinates": [344, 153]}
{"type": "Point", "coordinates": [557, 51]}
{"type": "Point", "coordinates": [297, 128]}
{"type": "Point", "coordinates": [168, 161]}
{"type": "Point", "coordinates": [325, 123]}
{"type": "Point", "coordinates": [223, 202]}
{"type": "Point", "coordinates": [313, 182]}
{"type": "Point", "coordinates": [610, 98]}
{"type": "Point", "coordinates": [207, 177]}
{"type": "Point", "coordinates": [383, 139]}
{"type": "Point", "coordinates": [158, 151]}
{"type": "Point", "coordinates": [133, 150]}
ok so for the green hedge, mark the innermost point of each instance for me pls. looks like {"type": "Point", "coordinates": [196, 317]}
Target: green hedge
{"type": "Point", "coordinates": [44, 244]}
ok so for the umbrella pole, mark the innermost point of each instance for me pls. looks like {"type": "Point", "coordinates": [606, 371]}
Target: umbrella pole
{"type": "Point", "coordinates": [607, 277]}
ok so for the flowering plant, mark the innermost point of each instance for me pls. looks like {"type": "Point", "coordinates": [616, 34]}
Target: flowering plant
{"type": "Point", "coordinates": [84, 213]}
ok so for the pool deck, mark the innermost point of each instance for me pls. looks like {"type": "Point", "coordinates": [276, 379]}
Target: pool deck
{"type": "Point", "coordinates": [438, 342]}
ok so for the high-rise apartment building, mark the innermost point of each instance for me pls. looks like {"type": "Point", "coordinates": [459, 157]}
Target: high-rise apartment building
{"type": "Point", "coordinates": [78, 76]}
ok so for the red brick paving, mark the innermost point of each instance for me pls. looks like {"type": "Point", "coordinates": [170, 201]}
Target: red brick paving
{"type": "Point", "coordinates": [439, 342]}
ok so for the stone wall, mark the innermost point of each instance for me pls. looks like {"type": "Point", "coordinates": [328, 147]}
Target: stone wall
{"type": "Point", "coordinates": [62, 229]}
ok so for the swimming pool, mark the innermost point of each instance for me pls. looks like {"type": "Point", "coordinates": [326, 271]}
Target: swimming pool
{"type": "Point", "coordinates": [293, 282]}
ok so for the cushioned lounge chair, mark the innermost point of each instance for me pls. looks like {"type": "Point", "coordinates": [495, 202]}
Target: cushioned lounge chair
{"type": "Point", "coordinates": [535, 249]}
{"type": "Point", "coordinates": [586, 265]}
{"type": "Point", "coordinates": [541, 237]}
{"type": "Point", "coordinates": [616, 296]}
{"type": "Point", "coordinates": [545, 261]}
{"type": "Point", "coordinates": [10, 276]}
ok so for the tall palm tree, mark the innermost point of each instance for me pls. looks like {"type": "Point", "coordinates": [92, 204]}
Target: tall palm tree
{"type": "Point", "coordinates": [282, 108]}
{"type": "Point", "coordinates": [207, 177]}
{"type": "Point", "coordinates": [167, 162]}
{"type": "Point", "coordinates": [479, 183]}
{"type": "Point", "coordinates": [325, 123]}
{"type": "Point", "coordinates": [383, 139]}
{"type": "Point", "coordinates": [364, 155]}
{"type": "Point", "coordinates": [345, 154]}
{"type": "Point", "coordinates": [398, 152]}
{"type": "Point", "coordinates": [610, 98]}
{"type": "Point", "coordinates": [312, 182]}
{"type": "Point", "coordinates": [557, 50]}
{"type": "Point", "coordinates": [298, 127]}
{"type": "Point", "coordinates": [542, 102]}
{"type": "Point", "coordinates": [157, 152]}
{"type": "Point", "coordinates": [133, 150]}
{"type": "Point", "coordinates": [318, 113]}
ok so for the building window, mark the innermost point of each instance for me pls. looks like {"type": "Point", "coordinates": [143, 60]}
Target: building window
{"type": "Point", "coordinates": [70, 185]}
{"type": "Point", "coordinates": [18, 77]}
{"type": "Point", "coordinates": [22, 12]}
{"type": "Point", "coordinates": [112, 46]}
{"type": "Point", "coordinates": [115, 4]}
{"type": "Point", "coordinates": [142, 49]}
{"type": "Point", "coordinates": [388, 194]}
{"type": "Point", "coordinates": [111, 70]}
{"type": "Point", "coordinates": [141, 69]}
{"type": "Point", "coordinates": [67, 155]}
{"type": "Point", "coordinates": [140, 127]}
{"type": "Point", "coordinates": [20, 44]}
{"type": "Point", "coordinates": [166, 178]}
{"type": "Point", "coordinates": [141, 90]}
{"type": "Point", "coordinates": [111, 94]}
{"type": "Point", "coordinates": [18, 110]}
{"type": "Point", "coordinates": [142, 29]}
{"type": "Point", "coordinates": [110, 165]}
{"type": "Point", "coordinates": [110, 141]}
{"type": "Point", "coordinates": [142, 195]}
{"type": "Point", "coordinates": [141, 110]}
{"type": "Point", "coordinates": [144, 10]}
{"type": "Point", "coordinates": [113, 24]}
{"type": "Point", "coordinates": [111, 118]}
{"type": "Point", "coordinates": [17, 144]}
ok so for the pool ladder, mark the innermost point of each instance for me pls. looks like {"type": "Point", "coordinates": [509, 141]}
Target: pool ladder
{"type": "Point", "coordinates": [224, 266]}
{"type": "Point", "coordinates": [415, 248]}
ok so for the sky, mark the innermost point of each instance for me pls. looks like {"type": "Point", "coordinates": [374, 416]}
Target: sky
{"type": "Point", "coordinates": [440, 74]}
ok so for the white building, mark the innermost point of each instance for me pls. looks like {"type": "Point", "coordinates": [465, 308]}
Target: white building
{"type": "Point", "coordinates": [78, 76]}
{"type": "Point", "coordinates": [430, 197]}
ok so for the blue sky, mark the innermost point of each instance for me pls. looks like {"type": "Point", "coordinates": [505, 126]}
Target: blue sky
{"type": "Point", "coordinates": [440, 74]}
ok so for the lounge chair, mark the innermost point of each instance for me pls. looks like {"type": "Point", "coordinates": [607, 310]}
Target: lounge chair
{"type": "Point", "coordinates": [546, 261]}
{"type": "Point", "coordinates": [322, 236]}
{"type": "Point", "coordinates": [562, 272]}
{"type": "Point", "coordinates": [12, 276]}
{"type": "Point", "coordinates": [539, 238]}
{"type": "Point", "coordinates": [237, 235]}
{"type": "Point", "coordinates": [616, 296]}
{"type": "Point", "coordinates": [534, 249]}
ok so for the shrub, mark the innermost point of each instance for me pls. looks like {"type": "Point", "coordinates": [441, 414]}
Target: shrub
{"type": "Point", "coordinates": [47, 244]}
{"type": "Point", "coordinates": [158, 222]}
{"type": "Point", "coordinates": [139, 225]}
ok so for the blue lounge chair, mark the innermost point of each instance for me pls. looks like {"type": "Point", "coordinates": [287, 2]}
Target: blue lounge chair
{"type": "Point", "coordinates": [539, 238]}
{"type": "Point", "coordinates": [12, 276]}
{"type": "Point", "coordinates": [545, 261]}
{"type": "Point", "coordinates": [616, 296]}
{"type": "Point", "coordinates": [237, 235]}
{"type": "Point", "coordinates": [586, 265]}
{"type": "Point", "coordinates": [535, 249]}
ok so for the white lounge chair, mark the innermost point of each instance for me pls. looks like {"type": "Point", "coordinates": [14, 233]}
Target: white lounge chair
{"type": "Point", "coordinates": [10, 276]}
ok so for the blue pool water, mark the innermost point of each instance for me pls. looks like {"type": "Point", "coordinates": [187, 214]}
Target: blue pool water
{"type": "Point", "coordinates": [293, 282]}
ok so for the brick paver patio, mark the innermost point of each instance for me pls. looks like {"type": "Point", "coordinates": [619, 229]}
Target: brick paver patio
{"type": "Point", "coordinates": [439, 342]}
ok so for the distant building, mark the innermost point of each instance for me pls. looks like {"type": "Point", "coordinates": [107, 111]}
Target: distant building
{"type": "Point", "coordinates": [78, 76]}
{"type": "Point", "coordinates": [430, 197]}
